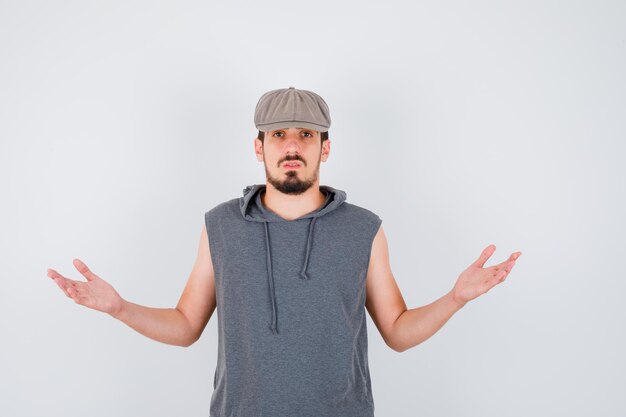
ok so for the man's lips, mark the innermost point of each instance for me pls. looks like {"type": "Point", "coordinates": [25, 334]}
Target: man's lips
{"type": "Point", "coordinates": [287, 165]}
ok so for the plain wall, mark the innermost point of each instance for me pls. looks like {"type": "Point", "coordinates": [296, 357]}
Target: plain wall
{"type": "Point", "coordinates": [459, 123]}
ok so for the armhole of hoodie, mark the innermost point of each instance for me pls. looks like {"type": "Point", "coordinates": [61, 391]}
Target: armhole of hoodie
{"type": "Point", "coordinates": [211, 242]}
{"type": "Point", "coordinates": [376, 226]}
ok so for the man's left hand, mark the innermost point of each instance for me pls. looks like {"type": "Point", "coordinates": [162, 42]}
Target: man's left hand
{"type": "Point", "coordinates": [477, 280]}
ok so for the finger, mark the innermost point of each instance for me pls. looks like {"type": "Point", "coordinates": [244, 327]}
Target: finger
{"type": "Point", "coordinates": [82, 268]}
{"type": "Point", "coordinates": [506, 265]}
{"type": "Point", "coordinates": [509, 267]}
{"type": "Point", "coordinates": [61, 286]}
{"type": "Point", "coordinates": [508, 270]}
{"type": "Point", "coordinates": [54, 274]}
{"type": "Point", "coordinates": [70, 293]}
{"type": "Point", "coordinates": [501, 276]}
{"type": "Point", "coordinates": [504, 273]}
{"type": "Point", "coordinates": [61, 281]}
{"type": "Point", "coordinates": [513, 257]}
{"type": "Point", "coordinates": [487, 252]}
{"type": "Point", "coordinates": [73, 294]}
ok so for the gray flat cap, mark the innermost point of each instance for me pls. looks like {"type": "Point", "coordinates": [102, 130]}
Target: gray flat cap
{"type": "Point", "coordinates": [290, 107]}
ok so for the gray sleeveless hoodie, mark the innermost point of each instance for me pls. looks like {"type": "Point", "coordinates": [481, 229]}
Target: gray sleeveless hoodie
{"type": "Point", "coordinates": [292, 333]}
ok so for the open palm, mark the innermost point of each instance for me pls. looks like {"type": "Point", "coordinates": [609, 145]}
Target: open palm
{"type": "Point", "coordinates": [477, 280]}
{"type": "Point", "coordinates": [96, 293]}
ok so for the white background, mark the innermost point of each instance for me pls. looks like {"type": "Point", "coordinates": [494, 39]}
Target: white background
{"type": "Point", "coordinates": [459, 123]}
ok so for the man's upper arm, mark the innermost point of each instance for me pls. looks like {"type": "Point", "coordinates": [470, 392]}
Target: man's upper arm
{"type": "Point", "coordinates": [384, 301]}
{"type": "Point", "coordinates": [198, 301]}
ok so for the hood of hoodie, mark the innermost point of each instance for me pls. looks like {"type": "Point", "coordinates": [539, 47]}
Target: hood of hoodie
{"type": "Point", "coordinates": [252, 209]}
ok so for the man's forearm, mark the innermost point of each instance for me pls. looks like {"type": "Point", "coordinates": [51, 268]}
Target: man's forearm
{"type": "Point", "coordinates": [418, 324]}
{"type": "Point", "coordinates": [166, 325]}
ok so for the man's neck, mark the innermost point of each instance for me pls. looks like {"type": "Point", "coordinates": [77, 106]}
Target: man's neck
{"type": "Point", "coordinates": [291, 207]}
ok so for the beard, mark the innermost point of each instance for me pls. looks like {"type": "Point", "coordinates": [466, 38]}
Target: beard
{"type": "Point", "coordinates": [291, 182]}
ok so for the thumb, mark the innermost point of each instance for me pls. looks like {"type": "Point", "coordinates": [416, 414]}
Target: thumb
{"type": "Point", "coordinates": [82, 268]}
{"type": "Point", "coordinates": [486, 254]}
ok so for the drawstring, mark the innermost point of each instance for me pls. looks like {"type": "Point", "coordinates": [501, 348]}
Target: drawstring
{"type": "Point", "coordinates": [308, 250]}
{"type": "Point", "coordinates": [270, 280]}
{"type": "Point", "coordinates": [270, 275]}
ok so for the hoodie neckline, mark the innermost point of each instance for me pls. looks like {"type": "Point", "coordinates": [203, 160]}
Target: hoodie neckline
{"type": "Point", "coordinates": [266, 211]}
{"type": "Point", "coordinates": [252, 209]}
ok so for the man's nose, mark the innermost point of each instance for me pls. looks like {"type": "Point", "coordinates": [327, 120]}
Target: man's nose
{"type": "Point", "coordinates": [292, 143]}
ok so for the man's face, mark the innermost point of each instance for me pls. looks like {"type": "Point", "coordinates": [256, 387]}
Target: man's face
{"type": "Point", "coordinates": [296, 146]}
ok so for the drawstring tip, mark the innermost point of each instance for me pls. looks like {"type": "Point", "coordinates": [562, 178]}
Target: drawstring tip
{"type": "Point", "coordinates": [273, 329]}
{"type": "Point", "coordinates": [303, 275]}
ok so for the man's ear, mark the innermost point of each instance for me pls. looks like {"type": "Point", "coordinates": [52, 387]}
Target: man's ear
{"type": "Point", "coordinates": [258, 149]}
{"type": "Point", "coordinates": [325, 150]}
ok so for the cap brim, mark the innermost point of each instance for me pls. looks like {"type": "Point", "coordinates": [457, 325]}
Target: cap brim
{"type": "Point", "coordinates": [291, 123]}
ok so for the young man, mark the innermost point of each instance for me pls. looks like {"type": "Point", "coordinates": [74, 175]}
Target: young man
{"type": "Point", "coordinates": [291, 267]}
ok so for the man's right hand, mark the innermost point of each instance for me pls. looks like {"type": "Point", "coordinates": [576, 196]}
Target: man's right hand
{"type": "Point", "coordinates": [96, 293]}
{"type": "Point", "coordinates": [180, 326]}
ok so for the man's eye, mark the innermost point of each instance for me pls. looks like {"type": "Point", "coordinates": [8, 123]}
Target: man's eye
{"type": "Point", "coordinates": [308, 133]}
{"type": "Point", "coordinates": [277, 133]}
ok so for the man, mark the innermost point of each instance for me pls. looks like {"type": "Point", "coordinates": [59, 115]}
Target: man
{"type": "Point", "coordinates": [291, 267]}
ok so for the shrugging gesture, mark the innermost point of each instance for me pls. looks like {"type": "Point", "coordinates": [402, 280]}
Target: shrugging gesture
{"type": "Point", "coordinates": [96, 293]}
{"type": "Point", "coordinates": [477, 280]}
